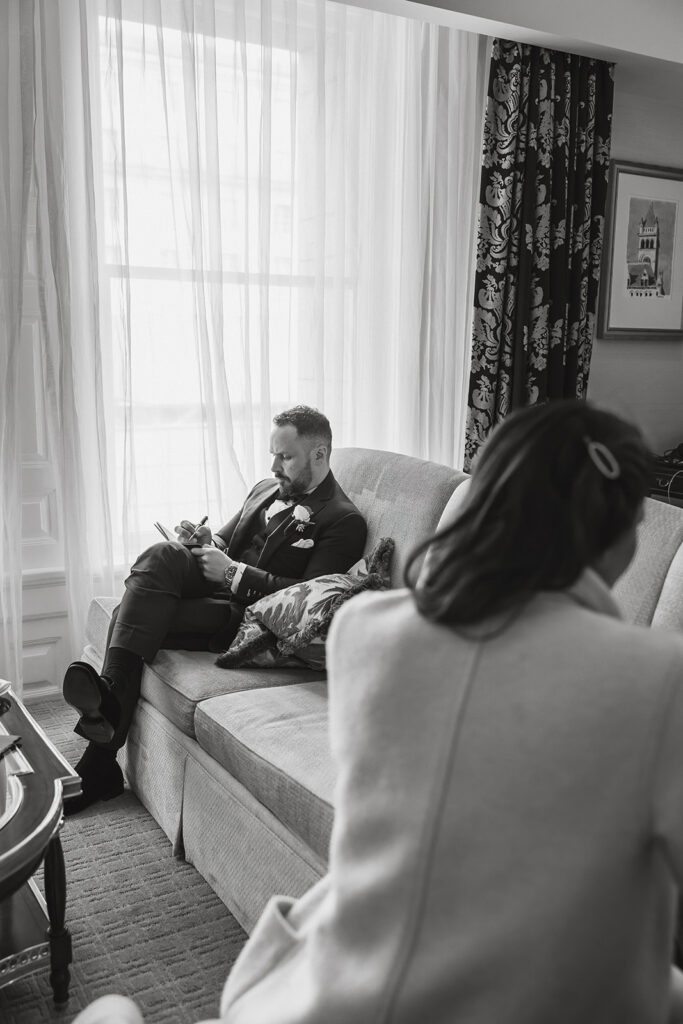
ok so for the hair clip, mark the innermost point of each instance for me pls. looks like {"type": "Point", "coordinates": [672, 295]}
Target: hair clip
{"type": "Point", "coordinates": [603, 459]}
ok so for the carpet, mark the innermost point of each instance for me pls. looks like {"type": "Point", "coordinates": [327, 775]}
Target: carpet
{"type": "Point", "coordinates": [143, 924]}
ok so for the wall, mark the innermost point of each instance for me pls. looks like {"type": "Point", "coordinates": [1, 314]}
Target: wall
{"type": "Point", "coordinates": [654, 30]}
{"type": "Point", "coordinates": [647, 39]}
{"type": "Point", "coordinates": [643, 380]}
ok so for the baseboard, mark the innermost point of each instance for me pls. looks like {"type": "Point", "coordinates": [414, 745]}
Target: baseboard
{"type": "Point", "coordinates": [40, 691]}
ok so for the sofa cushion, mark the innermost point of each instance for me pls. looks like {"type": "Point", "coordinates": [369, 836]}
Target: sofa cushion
{"type": "Point", "coordinates": [292, 624]}
{"type": "Point", "coordinates": [176, 681]}
{"type": "Point", "coordinates": [275, 742]}
{"type": "Point", "coordinates": [399, 496]}
{"type": "Point", "coordinates": [639, 590]}
{"type": "Point", "coordinates": [454, 504]}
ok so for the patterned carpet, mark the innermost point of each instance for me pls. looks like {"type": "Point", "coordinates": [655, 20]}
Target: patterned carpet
{"type": "Point", "coordinates": [142, 923]}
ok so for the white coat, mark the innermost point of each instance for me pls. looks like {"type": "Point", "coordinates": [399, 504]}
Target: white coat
{"type": "Point", "coordinates": [508, 835]}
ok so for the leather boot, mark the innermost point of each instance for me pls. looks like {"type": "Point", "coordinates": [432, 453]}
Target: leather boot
{"type": "Point", "coordinates": [101, 779]}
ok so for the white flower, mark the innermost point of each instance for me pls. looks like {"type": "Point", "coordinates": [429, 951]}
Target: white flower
{"type": "Point", "coordinates": [302, 516]}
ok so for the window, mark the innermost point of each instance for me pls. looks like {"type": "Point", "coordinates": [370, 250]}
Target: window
{"type": "Point", "coordinates": [210, 256]}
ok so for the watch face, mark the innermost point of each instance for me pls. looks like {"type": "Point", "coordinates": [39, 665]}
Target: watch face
{"type": "Point", "coordinates": [229, 575]}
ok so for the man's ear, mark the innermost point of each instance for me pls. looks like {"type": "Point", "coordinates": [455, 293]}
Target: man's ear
{"type": "Point", "coordinates": [320, 454]}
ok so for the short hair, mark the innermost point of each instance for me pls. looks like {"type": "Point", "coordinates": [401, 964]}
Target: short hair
{"type": "Point", "coordinates": [553, 488]}
{"type": "Point", "coordinates": [307, 422]}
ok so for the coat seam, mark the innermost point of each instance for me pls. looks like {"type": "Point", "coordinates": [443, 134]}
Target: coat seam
{"type": "Point", "coordinates": [416, 911]}
{"type": "Point", "coordinates": [667, 699]}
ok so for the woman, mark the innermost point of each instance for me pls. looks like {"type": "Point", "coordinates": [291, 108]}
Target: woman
{"type": "Point", "coordinates": [508, 835]}
{"type": "Point", "coordinates": [509, 812]}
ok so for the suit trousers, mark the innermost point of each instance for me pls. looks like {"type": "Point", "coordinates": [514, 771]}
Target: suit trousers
{"type": "Point", "coordinates": [167, 604]}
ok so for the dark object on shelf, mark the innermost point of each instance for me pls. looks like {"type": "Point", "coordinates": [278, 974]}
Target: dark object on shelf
{"type": "Point", "coordinates": [674, 456]}
{"type": "Point", "coordinates": [667, 476]}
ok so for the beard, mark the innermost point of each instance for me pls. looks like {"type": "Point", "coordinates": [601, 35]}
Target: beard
{"type": "Point", "coordinates": [294, 488]}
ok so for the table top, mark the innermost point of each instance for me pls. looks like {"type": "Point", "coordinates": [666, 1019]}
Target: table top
{"type": "Point", "coordinates": [39, 779]}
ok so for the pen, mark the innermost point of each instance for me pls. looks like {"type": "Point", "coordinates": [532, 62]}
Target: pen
{"type": "Point", "coordinates": [200, 523]}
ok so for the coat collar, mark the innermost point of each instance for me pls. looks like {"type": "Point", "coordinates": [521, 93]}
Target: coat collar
{"type": "Point", "coordinates": [591, 591]}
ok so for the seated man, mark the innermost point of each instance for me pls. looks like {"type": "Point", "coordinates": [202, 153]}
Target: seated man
{"type": "Point", "coordinates": [192, 594]}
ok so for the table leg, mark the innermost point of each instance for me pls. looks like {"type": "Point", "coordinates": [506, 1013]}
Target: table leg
{"type": "Point", "coordinates": [58, 935]}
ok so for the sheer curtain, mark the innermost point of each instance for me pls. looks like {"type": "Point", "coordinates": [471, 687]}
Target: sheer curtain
{"type": "Point", "coordinates": [71, 348]}
{"type": "Point", "coordinates": [46, 173]}
{"type": "Point", "coordinates": [289, 201]}
{"type": "Point", "coordinates": [238, 207]}
{"type": "Point", "coordinates": [16, 112]}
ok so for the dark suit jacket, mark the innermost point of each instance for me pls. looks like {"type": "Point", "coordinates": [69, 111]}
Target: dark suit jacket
{"type": "Point", "coordinates": [336, 528]}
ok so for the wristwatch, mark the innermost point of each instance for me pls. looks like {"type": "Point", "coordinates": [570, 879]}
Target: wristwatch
{"type": "Point", "coordinates": [230, 574]}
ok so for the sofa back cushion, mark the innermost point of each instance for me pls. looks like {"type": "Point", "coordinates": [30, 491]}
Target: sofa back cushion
{"type": "Point", "coordinates": [650, 592]}
{"type": "Point", "coordinates": [400, 496]}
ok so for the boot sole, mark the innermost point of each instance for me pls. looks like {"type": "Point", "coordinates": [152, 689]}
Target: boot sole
{"type": "Point", "coordinates": [82, 692]}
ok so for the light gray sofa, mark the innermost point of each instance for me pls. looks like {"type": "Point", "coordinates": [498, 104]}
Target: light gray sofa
{"type": "Point", "coordinates": [234, 763]}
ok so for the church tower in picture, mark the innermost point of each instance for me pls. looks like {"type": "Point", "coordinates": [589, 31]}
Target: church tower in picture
{"type": "Point", "coordinates": [644, 276]}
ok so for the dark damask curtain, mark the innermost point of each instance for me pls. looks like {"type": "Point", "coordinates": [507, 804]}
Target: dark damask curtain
{"type": "Point", "coordinates": [547, 135]}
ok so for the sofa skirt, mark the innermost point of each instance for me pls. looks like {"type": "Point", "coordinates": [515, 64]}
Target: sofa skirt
{"type": "Point", "coordinates": [242, 850]}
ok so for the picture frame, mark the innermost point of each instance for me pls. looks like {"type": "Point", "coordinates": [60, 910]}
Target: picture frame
{"type": "Point", "coordinates": [641, 285]}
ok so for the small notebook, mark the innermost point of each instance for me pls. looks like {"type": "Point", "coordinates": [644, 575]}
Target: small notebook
{"type": "Point", "coordinates": [172, 535]}
{"type": "Point", "coordinates": [165, 532]}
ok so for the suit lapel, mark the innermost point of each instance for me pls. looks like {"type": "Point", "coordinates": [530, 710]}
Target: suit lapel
{"type": "Point", "coordinates": [286, 529]}
{"type": "Point", "coordinates": [247, 525]}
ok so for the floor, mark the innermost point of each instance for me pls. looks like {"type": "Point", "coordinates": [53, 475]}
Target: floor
{"type": "Point", "coordinates": [143, 923]}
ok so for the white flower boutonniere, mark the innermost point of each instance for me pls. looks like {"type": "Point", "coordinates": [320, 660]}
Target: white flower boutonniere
{"type": "Point", "coordinates": [302, 516]}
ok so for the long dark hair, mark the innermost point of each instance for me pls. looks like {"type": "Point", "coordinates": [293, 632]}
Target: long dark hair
{"type": "Point", "coordinates": [553, 487]}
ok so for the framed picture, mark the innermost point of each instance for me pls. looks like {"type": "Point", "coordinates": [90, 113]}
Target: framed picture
{"type": "Point", "coordinates": [641, 286]}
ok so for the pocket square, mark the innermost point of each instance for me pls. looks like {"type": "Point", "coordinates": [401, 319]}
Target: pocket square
{"type": "Point", "coordinates": [308, 543]}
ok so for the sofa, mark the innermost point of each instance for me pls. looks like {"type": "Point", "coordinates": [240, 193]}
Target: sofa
{"type": "Point", "coordinates": [234, 763]}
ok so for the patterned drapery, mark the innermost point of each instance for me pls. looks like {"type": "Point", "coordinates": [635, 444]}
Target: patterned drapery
{"type": "Point", "coordinates": [545, 163]}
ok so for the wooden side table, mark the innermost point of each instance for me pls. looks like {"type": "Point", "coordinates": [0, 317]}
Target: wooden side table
{"type": "Point", "coordinates": [32, 929]}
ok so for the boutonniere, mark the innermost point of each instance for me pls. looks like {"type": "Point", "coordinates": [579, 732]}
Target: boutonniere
{"type": "Point", "coordinates": [301, 514]}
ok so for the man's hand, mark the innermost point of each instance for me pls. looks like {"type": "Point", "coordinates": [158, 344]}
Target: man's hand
{"type": "Point", "coordinates": [200, 536]}
{"type": "Point", "coordinates": [212, 563]}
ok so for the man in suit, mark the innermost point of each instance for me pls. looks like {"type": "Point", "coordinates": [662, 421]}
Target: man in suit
{"type": "Point", "coordinates": [191, 594]}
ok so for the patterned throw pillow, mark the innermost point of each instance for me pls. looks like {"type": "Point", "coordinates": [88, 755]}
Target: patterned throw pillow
{"type": "Point", "coordinates": [289, 628]}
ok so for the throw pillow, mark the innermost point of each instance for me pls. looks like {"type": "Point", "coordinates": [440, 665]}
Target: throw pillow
{"type": "Point", "coordinates": [378, 561]}
{"type": "Point", "coordinates": [289, 628]}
